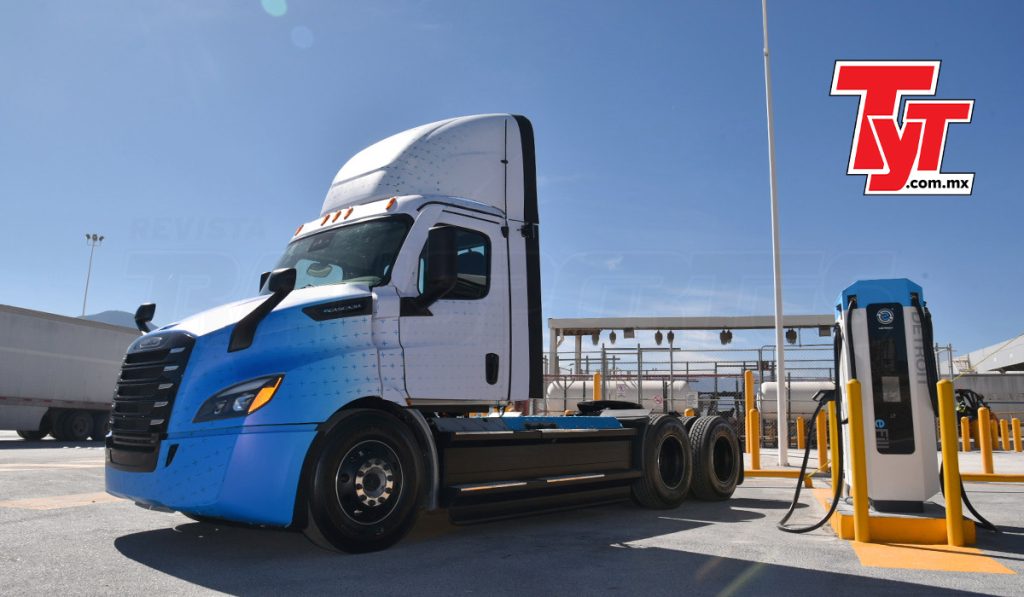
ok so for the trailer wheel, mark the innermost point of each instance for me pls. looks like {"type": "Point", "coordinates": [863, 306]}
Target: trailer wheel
{"type": "Point", "coordinates": [667, 464]}
{"type": "Point", "coordinates": [100, 426]}
{"type": "Point", "coordinates": [38, 434]}
{"type": "Point", "coordinates": [57, 424]}
{"type": "Point", "coordinates": [717, 462]}
{"type": "Point", "coordinates": [76, 426]}
{"type": "Point", "coordinates": [32, 435]}
{"type": "Point", "coordinates": [365, 486]}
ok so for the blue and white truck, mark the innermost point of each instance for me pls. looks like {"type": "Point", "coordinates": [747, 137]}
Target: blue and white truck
{"type": "Point", "coordinates": [337, 400]}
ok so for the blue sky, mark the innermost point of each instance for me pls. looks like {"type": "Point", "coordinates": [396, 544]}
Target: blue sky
{"type": "Point", "coordinates": [196, 135]}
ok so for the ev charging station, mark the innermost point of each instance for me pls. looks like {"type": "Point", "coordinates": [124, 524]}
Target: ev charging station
{"type": "Point", "coordinates": [887, 346]}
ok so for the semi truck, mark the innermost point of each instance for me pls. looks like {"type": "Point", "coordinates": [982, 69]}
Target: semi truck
{"type": "Point", "coordinates": [57, 373]}
{"type": "Point", "coordinates": [338, 400]}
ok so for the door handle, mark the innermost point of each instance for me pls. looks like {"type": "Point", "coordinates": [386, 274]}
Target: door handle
{"type": "Point", "coordinates": [491, 368]}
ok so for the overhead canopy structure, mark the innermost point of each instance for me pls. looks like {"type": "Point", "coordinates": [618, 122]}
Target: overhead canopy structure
{"type": "Point", "coordinates": [1002, 357]}
{"type": "Point", "coordinates": [587, 326]}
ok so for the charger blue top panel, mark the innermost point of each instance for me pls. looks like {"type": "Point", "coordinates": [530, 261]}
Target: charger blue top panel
{"type": "Point", "coordinates": [873, 292]}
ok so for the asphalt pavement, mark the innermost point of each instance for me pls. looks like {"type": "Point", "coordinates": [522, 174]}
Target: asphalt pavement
{"type": "Point", "coordinates": [61, 534]}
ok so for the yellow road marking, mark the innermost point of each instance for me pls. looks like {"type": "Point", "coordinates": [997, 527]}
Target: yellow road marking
{"type": "Point", "coordinates": [927, 557]}
{"type": "Point", "coordinates": [56, 502]}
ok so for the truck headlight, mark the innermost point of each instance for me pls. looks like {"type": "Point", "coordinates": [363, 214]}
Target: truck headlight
{"type": "Point", "coordinates": [240, 399]}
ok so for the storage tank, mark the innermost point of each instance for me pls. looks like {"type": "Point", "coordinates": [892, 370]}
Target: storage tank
{"type": "Point", "coordinates": [800, 394]}
{"type": "Point", "coordinates": [653, 394]}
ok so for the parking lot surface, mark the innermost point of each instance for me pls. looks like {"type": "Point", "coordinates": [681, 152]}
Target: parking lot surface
{"type": "Point", "coordinates": [61, 534]}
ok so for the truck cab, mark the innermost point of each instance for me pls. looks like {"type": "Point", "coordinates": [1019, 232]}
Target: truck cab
{"type": "Point", "coordinates": [334, 399]}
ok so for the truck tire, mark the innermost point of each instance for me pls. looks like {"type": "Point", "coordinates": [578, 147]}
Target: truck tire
{"type": "Point", "coordinates": [30, 435]}
{"type": "Point", "coordinates": [666, 464]}
{"type": "Point", "coordinates": [100, 426]}
{"type": "Point", "coordinates": [38, 434]}
{"type": "Point", "coordinates": [688, 422]}
{"type": "Point", "coordinates": [77, 425]}
{"type": "Point", "coordinates": [717, 461]}
{"type": "Point", "coordinates": [57, 425]}
{"type": "Point", "coordinates": [364, 488]}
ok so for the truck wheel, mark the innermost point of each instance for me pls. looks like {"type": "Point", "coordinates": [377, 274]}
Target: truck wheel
{"type": "Point", "coordinates": [100, 426]}
{"type": "Point", "coordinates": [365, 486]}
{"type": "Point", "coordinates": [77, 425]}
{"type": "Point", "coordinates": [667, 464]}
{"type": "Point", "coordinates": [717, 462]}
{"type": "Point", "coordinates": [688, 422]}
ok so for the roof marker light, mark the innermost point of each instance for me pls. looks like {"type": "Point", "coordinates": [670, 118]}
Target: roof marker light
{"type": "Point", "coordinates": [298, 230]}
{"type": "Point", "coordinates": [391, 203]}
{"type": "Point", "coordinates": [336, 215]}
{"type": "Point", "coordinates": [324, 221]}
{"type": "Point", "coordinates": [348, 212]}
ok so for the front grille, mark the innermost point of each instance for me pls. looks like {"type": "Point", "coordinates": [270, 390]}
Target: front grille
{"type": "Point", "coordinates": [144, 398]}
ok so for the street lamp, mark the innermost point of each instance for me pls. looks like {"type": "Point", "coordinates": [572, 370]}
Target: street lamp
{"type": "Point", "coordinates": [93, 240]}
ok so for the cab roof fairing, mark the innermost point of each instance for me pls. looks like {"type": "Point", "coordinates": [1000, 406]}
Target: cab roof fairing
{"type": "Point", "coordinates": [477, 157]}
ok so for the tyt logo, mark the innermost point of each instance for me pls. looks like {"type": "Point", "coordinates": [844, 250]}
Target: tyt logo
{"type": "Point", "coordinates": [901, 156]}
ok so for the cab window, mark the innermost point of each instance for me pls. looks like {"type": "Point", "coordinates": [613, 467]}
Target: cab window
{"type": "Point", "coordinates": [473, 263]}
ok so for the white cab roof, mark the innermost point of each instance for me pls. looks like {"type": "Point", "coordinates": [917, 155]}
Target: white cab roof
{"type": "Point", "coordinates": [477, 157]}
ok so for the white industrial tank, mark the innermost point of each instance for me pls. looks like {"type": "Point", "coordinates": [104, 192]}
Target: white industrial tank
{"type": "Point", "coordinates": [800, 394]}
{"type": "Point", "coordinates": [657, 395]}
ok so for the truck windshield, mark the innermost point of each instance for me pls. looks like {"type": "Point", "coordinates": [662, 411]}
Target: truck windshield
{"type": "Point", "coordinates": [361, 253]}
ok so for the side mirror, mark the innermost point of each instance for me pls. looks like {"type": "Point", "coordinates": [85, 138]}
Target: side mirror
{"type": "Point", "coordinates": [281, 281]}
{"type": "Point", "coordinates": [144, 315]}
{"type": "Point", "coordinates": [442, 269]}
{"type": "Point", "coordinates": [263, 280]}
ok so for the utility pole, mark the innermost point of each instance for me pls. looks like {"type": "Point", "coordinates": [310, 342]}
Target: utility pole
{"type": "Point", "coordinates": [780, 371]}
{"type": "Point", "coordinates": [93, 240]}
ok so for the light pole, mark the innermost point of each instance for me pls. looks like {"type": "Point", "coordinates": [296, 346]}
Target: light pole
{"type": "Point", "coordinates": [93, 240]}
{"type": "Point", "coordinates": [780, 350]}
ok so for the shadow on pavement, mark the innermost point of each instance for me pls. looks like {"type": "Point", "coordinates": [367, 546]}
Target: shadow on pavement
{"type": "Point", "coordinates": [579, 552]}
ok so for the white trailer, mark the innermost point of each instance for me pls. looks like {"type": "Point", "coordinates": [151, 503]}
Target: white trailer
{"type": "Point", "coordinates": [57, 373]}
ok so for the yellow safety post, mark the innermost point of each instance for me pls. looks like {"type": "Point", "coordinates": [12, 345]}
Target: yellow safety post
{"type": "Point", "coordinates": [833, 440]}
{"type": "Point", "coordinates": [748, 400]}
{"type": "Point", "coordinates": [801, 432]}
{"type": "Point", "coordinates": [755, 440]}
{"type": "Point", "coordinates": [597, 385]}
{"type": "Point", "coordinates": [1004, 434]}
{"type": "Point", "coordinates": [859, 482]}
{"type": "Point", "coordinates": [950, 465]}
{"type": "Point", "coordinates": [965, 433]}
{"type": "Point", "coordinates": [689, 412]}
{"type": "Point", "coordinates": [994, 434]}
{"type": "Point", "coordinates": [985, 440]}
{"type": "Point", "coordinates": [1016, 435]}
{"type": "Point", "coordinates": [821, 431]}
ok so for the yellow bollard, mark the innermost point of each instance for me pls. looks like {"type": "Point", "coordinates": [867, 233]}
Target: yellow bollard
{"type": "Point", "coordinates": [994, 433]}
{"type": "Point", "coordinates": [755, 440]}
{"type": "Point", "coordinates": [859, 482]}
{"type": "Point", "coordinates": [1016, 435]}
{"type": "Point", "coordinates": [833, 440]}
{"type": "Point", "coordinates": [821, 431]}
{"type": "Point", "coordinates": [748, 400]}
{"type": "Point", "coordinates": [965, 433]}
{"type": "Point", "coordinates": [950, 465]}
{"type": "Point", "coordinates": [689, 413]}
{"type": "Point", "coordinates": [1004, 434]}
{"type": "Point", "coordinates": [801, 432]}
{"type": "Point", "coordinates": [985, 440]}
{"type": "Point", "coordinates": [597, 385]}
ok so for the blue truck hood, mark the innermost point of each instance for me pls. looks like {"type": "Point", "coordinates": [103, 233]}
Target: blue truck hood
{"type": "Point", "coordinates": [289, 342]}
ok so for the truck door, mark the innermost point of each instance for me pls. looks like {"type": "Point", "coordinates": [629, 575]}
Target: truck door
{"type": "Point", "coordinates": [460, 351]}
